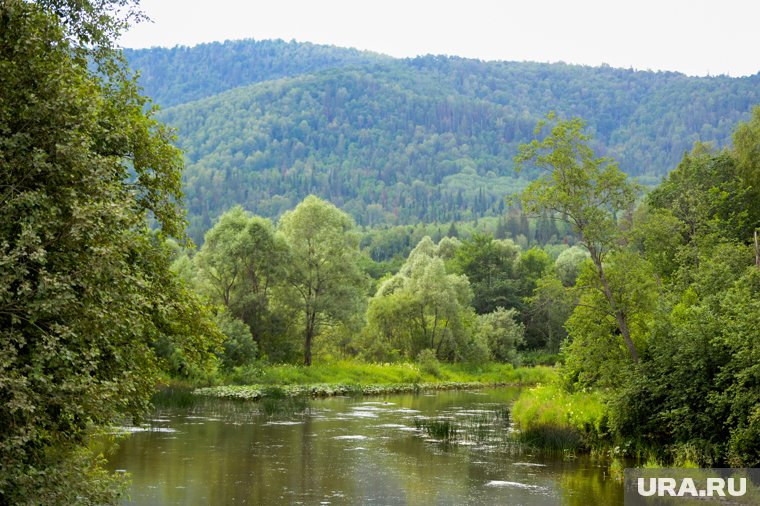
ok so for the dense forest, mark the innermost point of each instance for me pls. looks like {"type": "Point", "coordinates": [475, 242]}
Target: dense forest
{"type": "Point", "coordinates": [402, 141]}
{"type": "Point", "coordinates": [182, 74]}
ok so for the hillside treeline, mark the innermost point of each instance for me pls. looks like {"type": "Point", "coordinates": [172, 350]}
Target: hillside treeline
{"type": "Point", "coordinates": [402, 141]}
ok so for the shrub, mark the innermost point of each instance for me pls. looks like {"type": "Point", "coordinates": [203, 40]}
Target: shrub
{"type": "Point", "coordinates": [502, 333]}
{"type": "Point", "coordinates": [429, 363]}
{"type": "Point", "coordinates": [239, 346]}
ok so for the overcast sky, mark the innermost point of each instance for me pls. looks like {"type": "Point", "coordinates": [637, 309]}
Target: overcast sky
{"type": "Point", "coordinates": [696, 37]}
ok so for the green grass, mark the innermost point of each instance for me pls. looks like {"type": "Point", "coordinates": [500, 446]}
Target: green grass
{"type": "Point", "coordinates": [551, 419]}
{"type": "Point", "coordinates": [346, 372]}
{"type": "Point", "coordinates": [360, 378]}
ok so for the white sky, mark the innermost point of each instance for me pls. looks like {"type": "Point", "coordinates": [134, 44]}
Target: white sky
{"type": "Point", "coordinates": [696, 37]}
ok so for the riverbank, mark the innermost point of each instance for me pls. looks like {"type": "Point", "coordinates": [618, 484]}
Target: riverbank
{"type": "Point", "coordinates": [347, 377]}
{"type": "Point", "coordinates": [549, 418]}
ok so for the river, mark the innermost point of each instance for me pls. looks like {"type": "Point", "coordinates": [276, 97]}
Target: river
{"type": "Point", "coordinates": [350, 450]}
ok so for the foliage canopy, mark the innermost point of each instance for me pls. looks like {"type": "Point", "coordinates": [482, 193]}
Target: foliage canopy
{"type": "Point", "coordinates": [86, 295]}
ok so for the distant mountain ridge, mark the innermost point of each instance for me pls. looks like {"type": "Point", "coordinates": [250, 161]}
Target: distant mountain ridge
{"type": "Point", "coordinates": [182, 74]}
{"type": "Point", "coordinates": [402, 140]}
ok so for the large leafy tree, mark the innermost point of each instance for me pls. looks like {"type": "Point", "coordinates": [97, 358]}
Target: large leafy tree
{"type": "Point", "coordinates": [326, 284]}
{"type": "Point", "coordinates": [421, 307]}
{"type": "Point", "coordinates": [242, 260]}
{"type": "Point", "coordinates": [86, 295]}
{"type": "Point", "coordinates": [590, 192]}
{"type": "Point", "coordinates": [698, 388]}
{"type": "Point", "coordinates": [710, 196]}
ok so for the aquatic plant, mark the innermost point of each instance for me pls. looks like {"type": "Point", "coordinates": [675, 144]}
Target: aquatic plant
{"type": "Point", "coordinates": [441, 430]}
{"type": "Point", "coordinates": [256, 392]}
{"type": "Point", "coordinates": [174, 397]}
{"type": "Point", "coordinates": [552, 439]}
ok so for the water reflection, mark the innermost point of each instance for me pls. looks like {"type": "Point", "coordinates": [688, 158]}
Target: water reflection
{"type": "Point", "coordinates": [349, 451]}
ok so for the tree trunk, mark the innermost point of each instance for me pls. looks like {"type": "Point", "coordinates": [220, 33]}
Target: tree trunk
{"type": "Point", "coordinates": [307, 350]}
{"type": "Point", "coordinates": [310, 319]}
{"type": "Point", "coordinates": [438, 349]}
{"type": "Point", "coordinates": [620, 317]}
{"type": "Point", "coordinates": [435, 325]}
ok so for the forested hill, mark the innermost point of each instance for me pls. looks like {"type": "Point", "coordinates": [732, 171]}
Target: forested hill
{"type": "Point", "coordinates": [181, 74]}
{"type": "Point", "coordinates": [430, 138]}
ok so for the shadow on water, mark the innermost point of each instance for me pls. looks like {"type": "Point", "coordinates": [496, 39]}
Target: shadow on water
{"type": "Point", "coordinates": [175, 398]}
{"type": "Point", "coordinates": [276, 403]}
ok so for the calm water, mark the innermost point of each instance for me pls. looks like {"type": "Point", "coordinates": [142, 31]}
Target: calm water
{"type": "Point", "coordinates": [364, 450]}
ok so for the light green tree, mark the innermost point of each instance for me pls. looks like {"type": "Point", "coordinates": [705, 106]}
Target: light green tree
{"type": "Point", "coordinates": [422, 306]}
{"type": "Point", "coordinates": [568, 264]}
{"type": "Point", "coordinates": [747, 150]}
{"type": "Point", "coordinates": [438, 297]}
{"type": "Point", "coordinates": [591, 193]}
{"type": "Point", "coordinates": [594, 351]}
{"type": "Point", "coordinates": [220, 261]}
{"type": "Point", "coordinates": [503, 333]}
{"type": "Point", "coordinates": [325, 283]}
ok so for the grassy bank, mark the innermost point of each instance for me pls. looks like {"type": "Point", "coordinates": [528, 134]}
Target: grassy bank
{"type": "Point", "coordinates": [551, 419]}
{"type": "Point", "coordinates": [348, 377]}
{"type": "Point", "coordinates": [362, 373]}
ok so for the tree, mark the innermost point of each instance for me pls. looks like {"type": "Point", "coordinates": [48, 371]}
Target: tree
{"type": "Point", "coordinates": [326, 283]}
{"type": "Point", "coordinates": [699, 387]}
{"type": "Point", "coordinates": [696, 391]}
{"type": "Point", "coordinates": [87, 299]}
{"type": "Point", "coordinates": [503, 333]}
{"type": "Point", "coordinates": [546, 312]}
{"type": "Point", "coordinates": [240, 262]}
{"type": "Point", "coordinates": [595, 354]}
{"type": "Point", "coordinates": [489, 265]}
{"type": "Point", "coordinates": [422, 306]}
{"type": "Point", "coordinates": [529, 268]}
{"type": "Point", "coordinates": [747, 150]}
{"type": "Point", "coordinates": [239, 348]}
{"type": "Point", "coordinates": [708, 194]}
{"type": "Point", "coordinates": [568, 264]}
{"type": "Point", "coordinates": [589, 192]}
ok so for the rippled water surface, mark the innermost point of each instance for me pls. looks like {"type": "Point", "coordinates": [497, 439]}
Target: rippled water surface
{"type": "Point", "coordinates": [360, 450]}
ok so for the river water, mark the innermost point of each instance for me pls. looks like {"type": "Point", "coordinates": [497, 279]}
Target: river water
{"type": "Point", "coordinates": [350, 450]}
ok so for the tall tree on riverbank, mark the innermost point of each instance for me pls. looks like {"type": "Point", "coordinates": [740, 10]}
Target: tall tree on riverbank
{"type": "Point", "coordinates": [87, 300]}
{"type": "Point", "coordinates": [241, 262]}
{"type": "Point", "coordinates": [326, 284]}
{"type": "Point", "coordinates": [590, 192]}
